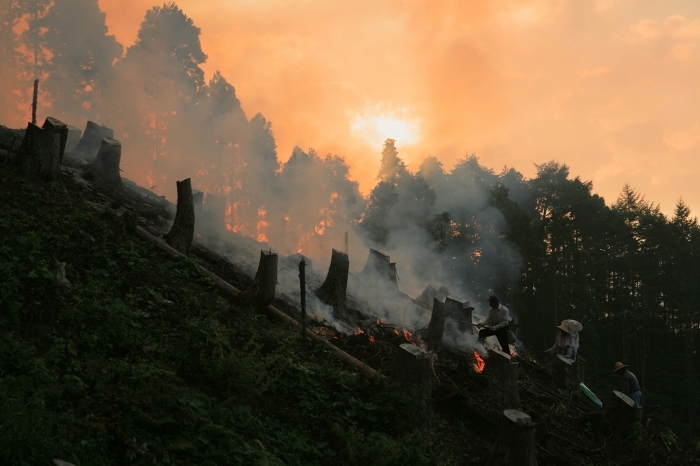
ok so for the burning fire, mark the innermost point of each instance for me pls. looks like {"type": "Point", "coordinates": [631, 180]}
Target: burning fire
{"type": "Point", "coordinates": [407, 335]}
{"type": "Point", "coordinates": [262, 226]}
{"type": "Point", "coordinates": [479, 362]}
{"type": "Point", "coordinates": [512, 350]}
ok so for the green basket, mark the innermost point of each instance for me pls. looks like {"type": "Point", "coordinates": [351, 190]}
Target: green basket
{"type": "Point", "coordinates": [590, 395]}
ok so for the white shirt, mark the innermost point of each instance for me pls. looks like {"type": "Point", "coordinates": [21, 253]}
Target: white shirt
{"type": "Point", "coordinates": [498, 317]}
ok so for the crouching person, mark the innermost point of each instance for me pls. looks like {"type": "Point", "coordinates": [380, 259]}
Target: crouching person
{"type": "Point", "coordinates": [567, 341]}
{"type": "Point", "coordinates": [496, 324]}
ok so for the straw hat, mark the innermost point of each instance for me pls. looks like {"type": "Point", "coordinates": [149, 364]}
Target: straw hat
{"type": "Point", "coordinates": [570, 326]}
{"type": "Point", "coordinates": [618, 366]}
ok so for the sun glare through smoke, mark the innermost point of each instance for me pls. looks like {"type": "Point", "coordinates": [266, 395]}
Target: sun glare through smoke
{"type": "Point", "coordinates": [375, 129]}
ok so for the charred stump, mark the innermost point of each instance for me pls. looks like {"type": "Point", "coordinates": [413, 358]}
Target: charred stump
{"type": "Point", "coordinates": [567, 372]}
{"type": "Point", "coordinates": [515, 444]}
{"type": "Point", "coordinates": [622, 414]}
{"type": "Point", "coordinates": [380, 268]}
{"type": "Point", "coordinates": [262, 291]}
{"type": "Point", "coordinates": [181, 233]}
{"type": "Point", "coordinates": [502, 373]}
{"type": "Point", "coordinates": [89, 145]}
{"type": "Point", "coordinates": [333, 291]}
{"type": "Point", "coordinates": [461, 313]}
{"type": "Point", "coordinates": [105, 167]}
{"type": "Point", "coordinates": [436, 327]}
{"type": "Point", "coordinates": [413, 370]}
{"type": "Point", "coordinates": [41, 152]}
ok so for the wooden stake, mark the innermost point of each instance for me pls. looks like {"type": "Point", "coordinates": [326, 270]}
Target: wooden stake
{"type": "Point", "coordinates": [302, 285]}
{"type": "Point", "coordinates": [34, 100]}
{"type": "Point", "coordinates": [182, 232]}
{"type": "Point", "coordinates": [515, 444]}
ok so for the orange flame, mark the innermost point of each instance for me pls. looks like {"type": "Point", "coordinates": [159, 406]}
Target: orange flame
{"type": "Point", "coordinates": [407, 335]}
{"type": "Point", "coordinates": [479, 362]}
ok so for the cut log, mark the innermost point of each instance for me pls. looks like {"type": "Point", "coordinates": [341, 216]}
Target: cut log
{"type": "Point", "coordinates": [41, 151]}
{"type": "Point", "coordinates": [436, 327]}
{"type": "Point", "coordinates": [413, 371]}
{"type": "Point", "coordinates": [515, 444]}
{"type": "Point", "coordinates": [502, 373]}
{"type": "Point", "coordinates": [461, 313]}
{"type": "Point", "coordinates": [89, 145]}
{"type": "Point", "coordinates": [261, 292]}
{"type": "Point", "coordinates": [105, 167]}
{"type": "Point", "coordinates": [333, 291]}
{"type": "Point", "coordinates": [622, 413]}
{"type": "Point", "coordinates": [181, 233]}
{"type": "Point", "coordinates": [566, 371]}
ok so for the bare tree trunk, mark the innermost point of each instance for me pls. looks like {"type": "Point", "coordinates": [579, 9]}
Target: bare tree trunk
{"type": "Point", "coordinates": [502, 372]}
{"type": "Point", "coordinates": [622, 413]}
{"type": "Point", "coordinates": [566, 371]}
{"type": "Point", "coordinates": [105, 167]}
{"type": "Point", "coordinates": [436, 327]}
{"type": "Point", "coordinates": [41, 151]}
{"type": "Point", "coordinates": [413, 371]}
{"type": "Point", "coordinates": [181, 233]}
{"type": "Point", "coordinates": [334, 289]}
{"type": "Point", "coordinates": [261, 292]}
{"type": "Point", "coordinates": [515, 444]}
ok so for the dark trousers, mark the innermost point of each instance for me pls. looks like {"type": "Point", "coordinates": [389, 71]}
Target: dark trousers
{"type": "Point", "coordinates": [501, 334]}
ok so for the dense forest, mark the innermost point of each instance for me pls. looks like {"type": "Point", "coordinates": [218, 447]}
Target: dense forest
{"type": "Point", "coordinates": [548, 246]}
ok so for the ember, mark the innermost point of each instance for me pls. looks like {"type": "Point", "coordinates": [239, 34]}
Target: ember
{"type": "Point", "coordinates": [479, 362]}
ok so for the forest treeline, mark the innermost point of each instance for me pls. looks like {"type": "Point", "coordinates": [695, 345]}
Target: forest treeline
{"type": "Point", "coordinates": [548, 246]}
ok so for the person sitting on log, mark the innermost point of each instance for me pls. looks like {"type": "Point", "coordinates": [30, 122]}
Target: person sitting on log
{"type": "Point", "coordinates": [496, 323]}
{"type": "Point", "coordinates": [630, 384]}
{"type": "Point", "coordinates": [567, 339]}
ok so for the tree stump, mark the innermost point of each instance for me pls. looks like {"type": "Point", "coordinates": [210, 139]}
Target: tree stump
{"type": "Point", "coordinates": [89, 145]}
{"type": "Point", "coordinates": [622, 414]}
{"type": "Point", "coordinates": [197, 200]}
{"type": "Point", "coordinates": [333, 291]}
{"type": "Point", "coordinates": [262, 291]}
{"type": "Point", "coordinates": [436, 327]}
{"type": "Point", "coordinates": [566, 371]}
{"type": "Point", "coordinates": [105, 167]}
{"type": "Point", "coordinates": [379, 268]}
{"type": "Point", "coordinates": [503, 373]}
{"type": "Point", "coordinates": [73, 139]}
{"type": "Point", "coordinates": [461, 313]}
{"type": "Point", "coordinates": [515, 444]}
{"type": "Point", "coordinates": [413, 370]}
{"type": "Point", "coordinates": [181, 233]}
{"type": "Point", "coordinates": [41, 151]}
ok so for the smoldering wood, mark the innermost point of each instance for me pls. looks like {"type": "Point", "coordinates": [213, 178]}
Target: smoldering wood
{"type": "Point", "coordinates": [90, 142]}
{"type": "Point", "coordinates": [333, 291]}
{"type": "Point", "coordinates": [515, 443]}
{"type": "Point", "coordinates": [182, 232]}
{"type": "Point", "coordinates": [461, 313]}
{"type": "Point", "coordinates": [622, 413]}
{"type": "Point", "coordinates": [436, 327]}
{"type": "Point", "coordinates": [413, 371]}
{"type": "Point", "coordinates": [261, 292]}
{"type": "Point", "coordinates": [503, 373]}
{"type": "Point", "coordinates": [40, 153]}
{"type": "Point", "coordinates": [379, 267]}
{"type": "Point", "coordinates": [105, 167]}
{"type": "Point", "coordinates": [567, 372]}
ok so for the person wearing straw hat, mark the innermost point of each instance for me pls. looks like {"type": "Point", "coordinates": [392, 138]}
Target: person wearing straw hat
{"type": "Point", "coordinates": [496, 323]}
{"type": "Point", "coordinates": [567, 341]}
{"type": "Point", "coordinates": [630, 384]}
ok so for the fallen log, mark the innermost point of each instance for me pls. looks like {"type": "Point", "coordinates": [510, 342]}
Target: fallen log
{"type": "Point", "coordinates": [261, 292]}
{"type": "Point", "coordinates": [333, 291]}
{"type": "Point", "coordinates": [105, 167]}
{"type": "Point", "coordinates": [413, 371]}
{"type": "Point", "coordinates": [515, 444]}
{"type": "Point", "coordinates": [436, 327]}
{"type": "Point", "coordinates": [271, 310]}
{"type": "Point", "coordinates": [182, 232]}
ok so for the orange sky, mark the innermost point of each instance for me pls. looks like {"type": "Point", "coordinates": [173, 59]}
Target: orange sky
{"type": "Point", "coordinates": [609, 87]}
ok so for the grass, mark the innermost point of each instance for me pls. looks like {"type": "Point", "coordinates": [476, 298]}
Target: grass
{"type": "Point", "coordinates": [142, 361]}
